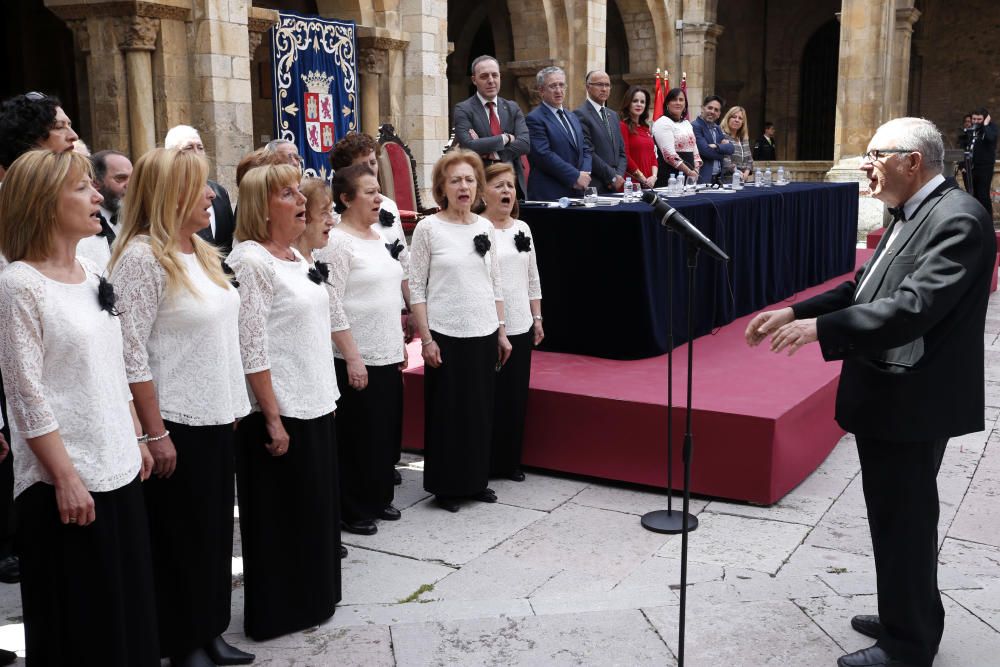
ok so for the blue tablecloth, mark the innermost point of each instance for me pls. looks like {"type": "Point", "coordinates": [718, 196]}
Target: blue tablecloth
{"type": "Point", "coordinates": [604, 270]}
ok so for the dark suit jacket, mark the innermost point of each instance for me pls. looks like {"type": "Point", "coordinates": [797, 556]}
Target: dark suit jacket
{"type": "Point", "coordinates": [764, 150]}
{"type": "Point", "coordinates": [225, 221]}
{"type": "Point", "coordinates": [705, 135]}
{"type": "Point", "coordinates": [555, 162]}
{"type": "Point", "coordinates": [911, 340]}
{"type": "Point", "coordinates": [607, 152]}
{"type": "Point", "coordinates": [471, 115]}
{"type": "Point", "coordinates": [985, 151]}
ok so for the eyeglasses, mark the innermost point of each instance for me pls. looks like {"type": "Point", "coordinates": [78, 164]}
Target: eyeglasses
{"type": "Point", "coordinates": [879, 153]}
{"type": "Point", "coordinates": [35, 97]}
{"type": "Point", "coordinates": [600, 85]}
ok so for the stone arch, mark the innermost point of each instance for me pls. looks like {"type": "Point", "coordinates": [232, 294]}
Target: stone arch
{"type": "Point", "coordinates": [476, 29]}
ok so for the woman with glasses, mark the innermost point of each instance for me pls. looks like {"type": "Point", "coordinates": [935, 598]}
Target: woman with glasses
{"type": "Point", "coordinates": [33, 120]}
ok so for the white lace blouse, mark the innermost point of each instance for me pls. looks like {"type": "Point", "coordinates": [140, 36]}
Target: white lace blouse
{"type": "Point", "coordinates": [459, 286]}
{"type": "Point", "coordinates": [285, 328]}
{"type": "Point", "coordinates": [63, 369]}
{"type": "Point", "coordinates": [519, 272]}
{"type": "Point", "coordinates": [186, 343]}
{"type": "Point", "coordinates": [364, 296]}
{"type": "Point", "coordinates": [395, 232]}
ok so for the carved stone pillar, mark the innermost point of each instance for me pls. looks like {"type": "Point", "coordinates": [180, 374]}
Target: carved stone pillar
{"type": "Point", "coordinates": [259, 21]}
{"type": "Point", "coordinates": [699, 43]}
{"type": "Point", "coordinates": [138, 42]}
{"type": "Point", "coordinates": [900, 72]}
{"type": "Point", "coordinates": [526, 72]}
{"type": "Point", "coordinates": [373, 66]}
{"type": "Point", "coordinates": [81, 39]}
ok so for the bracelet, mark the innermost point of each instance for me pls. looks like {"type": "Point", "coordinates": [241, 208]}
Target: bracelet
{"type": "Point", "coordinates": [501, 323]}
{"type": "Point", "coordinates": [427, 342]}
{"type": "Point", "coordinates": [142, 439]}
{"type": "Point", "coordinates": [537, 317]}
{"type": "Point", "coordinates": [150, 438]}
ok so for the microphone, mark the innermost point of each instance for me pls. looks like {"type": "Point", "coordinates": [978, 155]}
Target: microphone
{"type": "Point", "coordinates": [674, 220]}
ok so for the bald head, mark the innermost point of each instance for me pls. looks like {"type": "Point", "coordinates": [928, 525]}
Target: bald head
{"type": "Point", "coordinates": [598, 86]}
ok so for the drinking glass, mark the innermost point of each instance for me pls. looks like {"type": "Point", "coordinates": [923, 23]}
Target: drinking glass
{"type": "Point", "coordinates": [590, 196]}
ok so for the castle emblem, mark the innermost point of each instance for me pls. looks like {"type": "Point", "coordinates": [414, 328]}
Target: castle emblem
{"type": "Point", "coordinates": [318, 103]}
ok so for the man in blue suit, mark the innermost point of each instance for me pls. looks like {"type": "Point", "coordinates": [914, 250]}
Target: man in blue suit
{"type": "Point", "coordinates": [560, 158]}
{"type": "Point", "coordinates": [712, 143]}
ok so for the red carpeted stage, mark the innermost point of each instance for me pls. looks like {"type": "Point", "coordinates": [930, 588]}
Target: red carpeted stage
{"type": "Point", "coordinates": [762, 422]}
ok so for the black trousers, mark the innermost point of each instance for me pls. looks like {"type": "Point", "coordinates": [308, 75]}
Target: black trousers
{"type": "Point", "coordinates": [982, 178]}
{"type": "Point", "coordinates": [510, 405]}
{"type": "Point", "coordinates": [900, 487]}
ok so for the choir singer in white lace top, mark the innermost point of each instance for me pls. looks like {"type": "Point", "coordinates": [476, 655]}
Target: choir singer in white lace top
{"type": "Point", "coordinates": [179, 319]}
{"type": "Point", "coordinates": [365, 276]}
{"type": "Point", "coordinates": [457, 301]}
{"type": "Point", "coordinates": [286, 450]}
{"type": "Point", "coordinates": [522, 302]}
{"type": "Point", "coordinates": [86, 574]}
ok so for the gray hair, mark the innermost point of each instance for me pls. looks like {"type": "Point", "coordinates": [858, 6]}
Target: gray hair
{"type": "Point", "coordinates": [178, 134]}
{"type": "Point", "coordinates": [483, 58]}
{"type": "Point", "coordinates": [544, 73]}
{"type": "Point", "coordinates": [272, 146]}
{"type": "Point", "coordinates": [920, 136]}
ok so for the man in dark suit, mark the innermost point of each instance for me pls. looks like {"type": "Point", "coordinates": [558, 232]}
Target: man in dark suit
{"type": "Point", "coordinates": [909, 331]}
{"type": "Point", "coordinates": [490, 125]}
{"type": "Point", "coordinates": [560, 157]}
{"type": "Point", "coordinates": [603, 134]}
{"type": "Point", "coordinates": [984, 155]}
{"type": "Point", "coordinates": [712, 143]}
{"type": "Point", "coordinates": [222, 221]}
{"type": "Point", "coordinates": [764, 149]}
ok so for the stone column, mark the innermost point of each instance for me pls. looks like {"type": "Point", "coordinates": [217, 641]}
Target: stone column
{"type": "Point", "coordinates": [525, 72]}
{"type": "Point", "coordinates": [81, 39]}
{"type": "Point", "coordinates": [372, 67]}
{"type": "Point", "coordinates": [425, 119]}
{"type": "Point", "coordinates": [900, 71]}
{"type": "Point", "coordinates": [699, 41]}
{"type": "Point", "coordinates": [588, 30]}
{"type": "Point", "coordinates": [380, 52]}
{"type": "Point", "coordinates": [138, 42]}
{"type": "Point", "coordinates": [221, 105]}
{"type": "Point", "coordinates": [863, 90]}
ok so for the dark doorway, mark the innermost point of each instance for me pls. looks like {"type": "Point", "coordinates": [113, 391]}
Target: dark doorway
{"type": "Point", "coordinates": [818, 100]}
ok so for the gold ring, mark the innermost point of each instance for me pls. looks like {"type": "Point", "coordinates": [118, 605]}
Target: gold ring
{"type": "Point", "coordinates": [72, 519]}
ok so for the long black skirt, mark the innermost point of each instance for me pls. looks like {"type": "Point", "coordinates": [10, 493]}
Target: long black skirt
{"type": "Point", "coordinates": [665, 169]}
{"type": "Point", "coordinates": [369, 431]}
{"type": "Point", "coordinates": [191, 531]}
{"type": "Point", "coordinates": [87, 592]}
{"type": "Point", "coordinates": [458, 415]}
{"type": "Point", "coordinates": [289, 524]}
{"type": "Point", "coordinates": [510, 407]}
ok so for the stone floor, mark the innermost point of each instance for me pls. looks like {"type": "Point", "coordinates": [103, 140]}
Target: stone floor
{"type": "Point", "coordinates": [560, 572]}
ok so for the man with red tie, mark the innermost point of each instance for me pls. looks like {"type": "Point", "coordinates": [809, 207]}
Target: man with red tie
{"type": "Point", "coordinates": [489, 125]}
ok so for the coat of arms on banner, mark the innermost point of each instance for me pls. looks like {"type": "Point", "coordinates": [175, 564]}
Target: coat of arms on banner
{"type": "Point", "coordinates": [318, 103]}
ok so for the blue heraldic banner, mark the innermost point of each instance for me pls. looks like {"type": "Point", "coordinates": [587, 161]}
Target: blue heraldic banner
{"type": "Point", "coordinates": [315, 85]}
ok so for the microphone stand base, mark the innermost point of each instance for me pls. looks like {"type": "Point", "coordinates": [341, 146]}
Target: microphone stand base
{"type": "Point", "coordinates": [670, 522]}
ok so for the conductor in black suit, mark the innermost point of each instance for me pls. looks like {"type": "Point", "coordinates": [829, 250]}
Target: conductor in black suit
{"type": "Point", "coordinates": [222, 222]}
{"type": "Point", "coordinates": [909, 331]}
{"type": "Point", "coordinates": [489, 125]}
{"type": "Point", "coordinates": [601, 131]}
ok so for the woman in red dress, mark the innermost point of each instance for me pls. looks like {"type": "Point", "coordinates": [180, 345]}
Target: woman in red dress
{"type": "Point", "coordinates": [640, 149]}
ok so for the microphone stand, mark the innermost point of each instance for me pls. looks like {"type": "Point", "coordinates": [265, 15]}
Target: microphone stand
{"type": "Point", "coordinates": [668, 521]}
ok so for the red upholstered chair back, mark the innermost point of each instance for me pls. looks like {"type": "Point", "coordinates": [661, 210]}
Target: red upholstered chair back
{"type": "Point", "coordinates": [404, 191]}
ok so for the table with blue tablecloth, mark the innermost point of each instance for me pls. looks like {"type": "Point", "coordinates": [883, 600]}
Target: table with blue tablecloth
{"type": "Point", "coordinates": [607, 272]}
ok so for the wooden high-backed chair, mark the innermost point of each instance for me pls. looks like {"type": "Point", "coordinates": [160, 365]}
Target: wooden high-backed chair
{"type": "Point", "coordinates": [398, 175]}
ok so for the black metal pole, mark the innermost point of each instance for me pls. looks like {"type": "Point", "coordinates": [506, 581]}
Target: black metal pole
{"type": "Point", "coordinates": [692, 263]}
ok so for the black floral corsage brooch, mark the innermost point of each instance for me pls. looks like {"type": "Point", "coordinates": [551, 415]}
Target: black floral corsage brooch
{"type": "Point", "coordinates": [106, 296]}
{"type": "Point", "coordinates": [482, 244]}
{"type": "Point", "coordinates": [522, 242]}
{"type": "Point", "coordinates": [394, 248]}
{"type": "Point", "coordinates": [319, 273]}
{"type": "Point", "coordinates": [230, 274]}
{"type": "Point", "coordinates": [386, 219]}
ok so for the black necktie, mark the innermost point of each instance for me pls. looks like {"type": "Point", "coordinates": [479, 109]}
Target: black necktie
{"type": "Point", "coordinates": [607, 124]}
{"type": "Point", "coordinates": [898, 214]}
{"type": "Point", "coordinates": [106, 231]}
{"type": "Point", "coordinates": [566, 126]}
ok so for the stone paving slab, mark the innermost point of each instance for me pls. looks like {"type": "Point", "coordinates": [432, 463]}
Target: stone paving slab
{"type": "Point", "coordinates": [732, 541]}
{"type": "Point", "coordinates": [529, 494]}
{"type": "Point", "coordinates": [632, 501]}
{"type": "Point", "coordinates": [427, 532]}
{"type": "Point", "coordinates": [599, 638]}
{"type": "Point", "coordinates": [983, 603]}
{"type": "Point", "coordinates": [979, 562]}
{"type": "Point", "coordinates": [364, 646]}
{"type": "Point", "coordinates": [750, 586]}
{"type": "Point", "coordinates": [616, 600]}
{"type": "Point", "coordinates": [979, 518]}
{"type": "Point", "coordinates": [747, 634]}
{"type": "Point", "coordinates": [373, 577]}
{"type": "Point", "coordinates": [659, 572]}
{"type": "Point", "coordinates": [411, 491]}
{"type": "Point", "coordinates": [433, 611]}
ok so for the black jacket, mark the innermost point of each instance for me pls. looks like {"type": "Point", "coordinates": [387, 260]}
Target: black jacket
{"type": "Point", "coordinates": [225, 220]}
{"type": "Point", "coordinates": [912, 340]}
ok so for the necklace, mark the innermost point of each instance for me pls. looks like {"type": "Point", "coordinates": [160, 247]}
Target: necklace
{"type": "Point", "coordinates": [285, 254]}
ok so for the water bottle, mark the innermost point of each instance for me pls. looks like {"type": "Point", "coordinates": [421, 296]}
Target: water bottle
{"type": "Point", "coordinates": [564, 202]}
{"type": "Point", "coordinates": [767, 178]}
{"type": "Point", "coordinates": [758, 178]}
{"type": "Point", "coordinates": [672, 185]}
{"type": "Point", "coordinates": [781, 175]}
{"type": "Point", "coordinates": [737, 180]}
{"type": "Point", "coordinates": [628, 189]}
